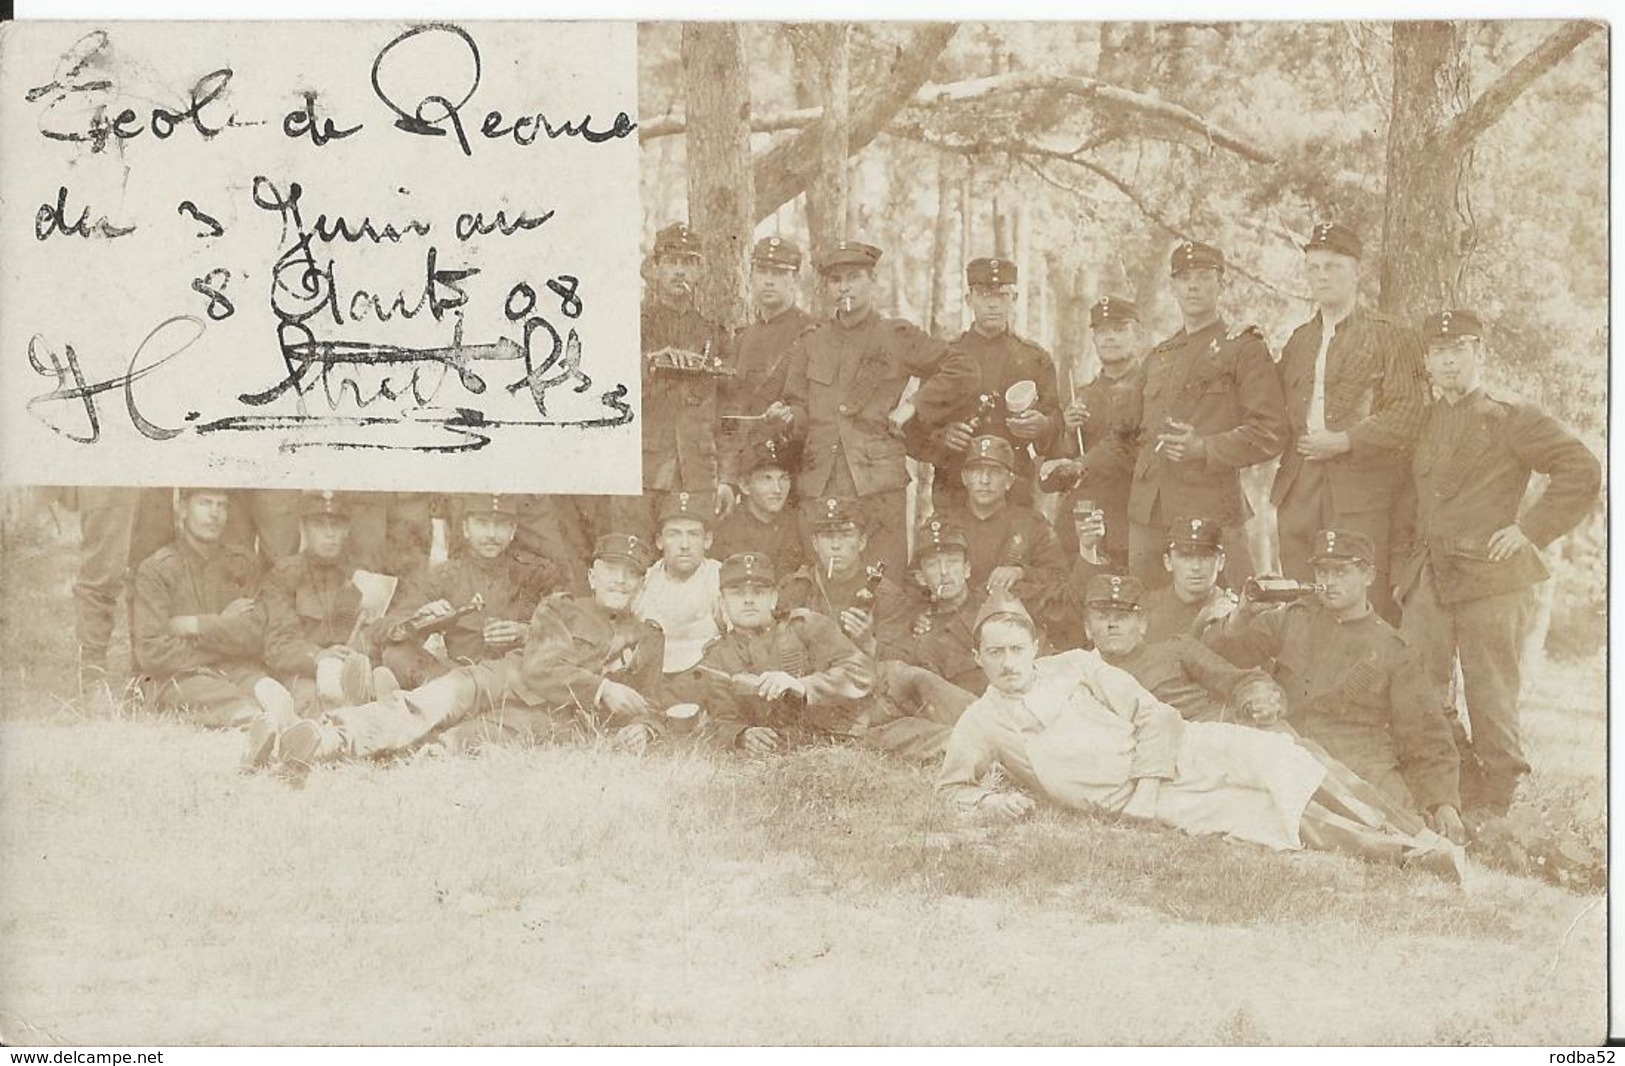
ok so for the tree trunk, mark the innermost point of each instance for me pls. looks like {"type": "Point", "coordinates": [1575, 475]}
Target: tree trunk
{"type": "Point", "coordinates": [943, 271]}
{"type": "Point", "coordinates": [721, 186]}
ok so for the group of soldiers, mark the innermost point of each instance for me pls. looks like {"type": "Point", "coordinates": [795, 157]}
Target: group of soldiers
{"type": "Point", "coordinates": [767, 590]}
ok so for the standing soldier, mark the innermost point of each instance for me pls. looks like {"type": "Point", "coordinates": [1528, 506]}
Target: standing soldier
{"type": "Point", "coordinates": [106, 516]}
{"type": "Point", "coordinates": [1212, 407]}
{"type": "Point", "coordinates": [480, 600]}
{"type": "Point", "coordinates": [1004, 358]}
{"type": "Point", "coordinates": [1354, 392]}
{"type": "Point", "coordinates": [763, 350]}
{"type": "Point", "coordinates": [845, 394]}
{"type": "Point", "coordinates": [685, 355]}
{"type": "Point", "coordinates": [199, 632]}
{"type": "Point", "coordinates": [1464, 561]}
{"type": "Point", "coordinates": [391, 532]}
{"type": "Point", "coordinates": [1106, 413]}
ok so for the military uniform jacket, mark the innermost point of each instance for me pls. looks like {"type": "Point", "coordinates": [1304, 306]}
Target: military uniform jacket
{"type": "Point", "coordinates": [510, 591]}
{"type": "Point", "coordinates": [1188, 676]}
{"type": "Point", "coordinates": [178, 580]}
{"type": "Point", "coordinates": [575, 644]}
{"type": "Point", "coordinates": [1357, 688]}
{"type": "Point", "coordinates": [781, 538]}
{"type": "Point", "coordinates": [1471, 467]}
{"type": "Point", "coordinates": [846, 376]}
{"type": "Point", "coordinates": [1167, 617]}
{"type": "Point", "coordinates": [762, 367]}
{"type": "Point", "coordinates": [839, 679]}
{"type": "Point", "coordinates": [680, 409]}
{"type": "Point", "coordinates": [946, 647]}
{"type": "Point", "coordinates": [310, 604]}
{"type": "Point", "coordinates": [808, 588]}
{"type": "Point", "coordinates": [1111, 440]}
{"type": "Point", "coordinates": [1003, 360]}
{"type": "Point", "coordinates": [1375, 388]}
{"type": "Point", "coordinates": [1226, 388]}
{"type": "Point", "coordinates": [1014, 536]}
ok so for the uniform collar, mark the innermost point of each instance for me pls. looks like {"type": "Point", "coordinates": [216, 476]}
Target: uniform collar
{"type": "Point", "coordinates": [854, 321]}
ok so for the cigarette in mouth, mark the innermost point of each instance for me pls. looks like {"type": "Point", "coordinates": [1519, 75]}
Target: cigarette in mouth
{"type": "Point", "coordinates": [829, 570]}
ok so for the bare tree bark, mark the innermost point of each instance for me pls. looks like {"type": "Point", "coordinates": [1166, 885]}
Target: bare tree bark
{"type": "Point", "coordinates": [942, 265]}
{"type": "Point", "coordinates": [721, 197]}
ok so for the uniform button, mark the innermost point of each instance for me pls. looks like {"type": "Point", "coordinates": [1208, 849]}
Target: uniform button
{"type": "Point", "coordinates": [842, 408]}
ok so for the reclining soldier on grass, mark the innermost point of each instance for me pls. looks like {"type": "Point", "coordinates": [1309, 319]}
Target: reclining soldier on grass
{"type": "Point", "coordinates": [1086, 735]}
{"type": "Point", "coordinates": [586, 665]}
{"type": "Point", "coordinates": [773, 683]}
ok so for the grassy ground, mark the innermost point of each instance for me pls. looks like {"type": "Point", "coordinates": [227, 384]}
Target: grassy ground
{"type": "Point", "coordinates": [149, 894]}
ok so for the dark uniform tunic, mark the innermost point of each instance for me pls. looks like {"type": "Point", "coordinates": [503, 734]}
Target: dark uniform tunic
{"type": "Point", "coordinates": [1224, 385]}
{"type": "Point", "coordinates": [1375, 387]}
{"type": "Point", "coordinates": [845, 377]}
{"type": "Point", "coordinates": [809, 588]}
{"type": "Point", "coordinates": [510, 592]}
{"type": "Point", "coordinates": [1003, 359]}
{"type": "Point", "coordinates": [807, 646]}
{"type": "Point", "coordinates": [1358, 689]}
{"type": "Point", "coordinates": [781, 538]}
{"type": "Point", "coordinates": [1110, 441]}
{"type": "Point", "coordinates": [1168, 617]}
{"type": "Point", "coordinates": [212, 674]}
{"type": "Point", "coordinates": [1186, 675]}
{"type": "Point", "coordinates": [1014, 536]}
{"type": "Point", "coordinates": [1471, 468]}
{"type": "Point", "coordinates": [946, 646]}
{"type": "Point", "coordinates": [762, 368]}
{"type": "Point", "coordinates": [311, 605]}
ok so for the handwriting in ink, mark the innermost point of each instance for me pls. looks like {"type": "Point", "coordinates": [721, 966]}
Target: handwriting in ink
{"type": "Point", "coordinates": [468, 225]}
{"type": "Point", "coordinates": [187, 207]}
{"type": "Point", "coordinates": [267, 197]}
{"type": "Point", "coordinates": [302, 121]}
{"type": "Point", "coordinates": [53, 218]}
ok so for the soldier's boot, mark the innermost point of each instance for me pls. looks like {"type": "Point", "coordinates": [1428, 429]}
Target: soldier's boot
{"type": "Point", "coordinates": [277, 713]}
{"type": "Point", "coordinates": [1328, 831]}
{"type": "Point", "coordinates": [384, 683]}
{"type": "Point", "coordinates": [307, 742]}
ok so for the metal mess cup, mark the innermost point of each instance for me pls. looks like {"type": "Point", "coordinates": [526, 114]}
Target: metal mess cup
{"type": "Point", "coordinates": [682, 717]}
{"type": "Point", "coordinates": [1020, 397]}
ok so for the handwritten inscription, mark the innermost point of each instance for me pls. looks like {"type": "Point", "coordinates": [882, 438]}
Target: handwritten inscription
{"type": "Point", "coordinates": [373, 319]}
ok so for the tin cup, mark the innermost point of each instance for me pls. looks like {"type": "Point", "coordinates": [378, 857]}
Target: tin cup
{"type": "Point", "coordinates": [1020, 397]}
{"type": "Point", "coordinates": [682, 718]}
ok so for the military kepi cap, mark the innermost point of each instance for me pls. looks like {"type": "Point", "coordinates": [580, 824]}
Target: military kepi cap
{"type": "Point", "coordinates": [747, 568]}
{"type": "Point", "coordinates": [993, 273]}
{"type": "Point", "coordinates": [468, 503]}
{"type": "Point", "coordinates": [1194, 255]}
{"type": "Point", "coordinates": [1333, 237]}
{"type": "Point", "coordinates": [775, 452]}
{"type": "Point", "coordinates": [777, 252]}
{"type": "Point", "coordinates": [990, 449]}
{"type": "Point", "coordinates": [677, 239]}
{"type": "Point", "coordinates": [937, 535]}
{"type": "Point", "coordinates": [1343, 544]}
{"type": "Point", "coordinates": [834, 515]}
{"type": "Point", "coordinates": [1449, 325]}
{"type": "Point", "coordinates": [1110, 310]}
{"type": "Point", "coordinates": [849, 253]}
{"type": "Point", "coordinates": [1193, 531]}
{"type": "Point", "coordinates": [1114, 590]}
{"type": "Point", "coordinates": [622, 548]}
{"type": "Point", "coordinates": [324, 501]}
{"type": "Point", "coordinates": [695, 505]}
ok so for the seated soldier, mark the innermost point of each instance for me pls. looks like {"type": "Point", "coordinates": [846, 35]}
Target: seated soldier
{"type": "Point", "coordinates": [939, 631]}
{"type": "Point", "coordinates": [776, 682]}
{"type": "Point", "coordinates": [197, 630]}
{"type": "Point", "coordinates": [587, 663]}
{"type": "Point", "coordinates": [765, 522]}
{"type": "Point", "coordinates": [479, 601]}
{"type": "Point", "coordinates": [871, 609]}
{"type": "Point", "coordinates": [1190, 677]}
{"type": "Point", "coordinates": [1192, 600]}
{"type": "Point", "coordinates": [1087, 735]}
{"type": "Point", "coordinates": [680, 592]}
{"type": "Point", "coordinates": [1353, 684]}
{"type": "Point", "coordinates": [314, 631]}
{"type": "Point", "coordinates": [1008, 544]}
{"type": "Point", "coordinates": [1063, 621]}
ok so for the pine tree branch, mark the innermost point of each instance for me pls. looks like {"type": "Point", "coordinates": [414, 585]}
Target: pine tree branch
{"type": "Point", "coordinates": [1493, 102]}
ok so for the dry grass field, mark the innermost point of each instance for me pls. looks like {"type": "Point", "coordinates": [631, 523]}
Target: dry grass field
{"type": "Point", "coordinates": [149, 894]}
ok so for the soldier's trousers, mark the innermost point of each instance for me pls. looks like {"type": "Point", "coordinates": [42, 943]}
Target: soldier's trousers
{"type": "Point", "coordinates": [106, 516]}
{"type": "Point", "coordinates": [1307, 509]}
{"type": "Point", "coordinates": [408, 717]}
{"type": "Point", "coordinates": [220, 697]}
{"type": "Point", "coordinates": [914, 711]}
{"type": "Point", "coordinates": [1487, 635]}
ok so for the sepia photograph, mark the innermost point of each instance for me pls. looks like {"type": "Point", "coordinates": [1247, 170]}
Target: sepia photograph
{"type": "Point", "coordinates": [1100, 538]}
